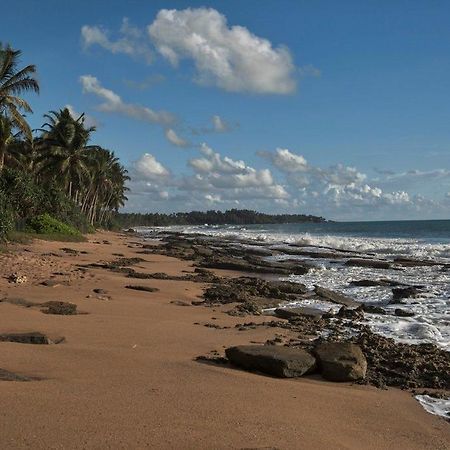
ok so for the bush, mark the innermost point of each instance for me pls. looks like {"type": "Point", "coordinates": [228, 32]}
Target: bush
{"type": "Point", "coordinates": [6, 217]}
{"type": "Point", "coordinates": [46, 224]}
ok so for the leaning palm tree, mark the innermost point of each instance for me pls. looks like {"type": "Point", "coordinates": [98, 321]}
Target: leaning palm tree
{"type": "Point", "coordinates": [13, 83]}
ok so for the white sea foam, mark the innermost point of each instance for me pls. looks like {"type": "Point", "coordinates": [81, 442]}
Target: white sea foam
{"type": "Point", "coordinates": [437, 406]}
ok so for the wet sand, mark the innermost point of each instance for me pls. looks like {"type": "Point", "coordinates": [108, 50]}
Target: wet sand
{"type": "Point", "coordinates": [126, 377]}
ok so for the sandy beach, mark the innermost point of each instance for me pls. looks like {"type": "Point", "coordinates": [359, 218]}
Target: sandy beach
{"type": "Point", "coordinates": [126, 376]}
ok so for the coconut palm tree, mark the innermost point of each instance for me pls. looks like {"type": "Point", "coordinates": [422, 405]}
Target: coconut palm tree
{"type": "Point", "coordinates": [66, 151]}
{"type": "Point", "coordinates": [13, 83]}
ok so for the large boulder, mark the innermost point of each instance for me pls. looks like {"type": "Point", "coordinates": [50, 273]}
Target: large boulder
{"type": "Point", "coordinates": [341, 361]}
{"type": "Point", "coordinates": [285, 362]}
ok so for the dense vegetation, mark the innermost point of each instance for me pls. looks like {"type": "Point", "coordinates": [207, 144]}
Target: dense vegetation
{"type": "Point", "coordinates": [52, 180]}
{"type": "Point", "coordinates": [232, 217]}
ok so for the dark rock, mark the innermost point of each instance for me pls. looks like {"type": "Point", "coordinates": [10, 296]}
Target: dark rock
{"type": "Point", "coordinates": [401, 365]}
{"type": "Point", "coordinates": [180, 303]}
{"type": "Point", "coordinates": [248, 307]}
{"type": "Point", "coordinates": [69, 251]}
{"type": "Point", "coordinates": [403, 313]}
{"type": "Point", "coordinates": [6, 375]}
{"type": "Point", "coordinates": [18, 301]}
{"type": "Point", "coordinates": [411, 262]}
{"type": "Point", "coordinates": [273, 360]}
{"type": "Point", "coordinates": [60, 308]}
{"type": "Point", "coordinates": [374, 263]}
{"type": "Point", "coordinates": [336, 297]}
{"type": "Point", "coordinates": [290, 313]}
{"type": "Point", "coordinates": [142, 288]}
{"type": "Point", "coordinates": [341, 361]}
{"type": "Point", "coordinates": [28, 338]}
{"type": "Point", "coordinates": [406, 292]}
{"type": "Point", "coordinates": [380, 282]}
{"type": "Point", "coordinates": [100, 291]}
{"type": "Point", "coordinates": [373, 309]}
{"type": "Point", "coordinates": [351, 313]}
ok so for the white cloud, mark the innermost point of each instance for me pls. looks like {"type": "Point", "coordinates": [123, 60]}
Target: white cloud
{"type": "Point", "coordinates": [231, 58]}
{"type": "Point", "coordinates": [172, 137]}
{"type": "Point", "coordinates": [132, 40]}
{"type": "Point", "coordinates": [148, 168]}
{"type": "Point", "coordinates": [114, 104]}
{"type": "Point", "coordinates": [219, 125]}
{"type": "Point", "coordinates": [232, 179]}
{"type": "Point", "coordinates": [89, 121]}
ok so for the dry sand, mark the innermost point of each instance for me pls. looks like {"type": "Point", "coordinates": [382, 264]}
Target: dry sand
{"type": "Point", "coordinates": [126, 377]}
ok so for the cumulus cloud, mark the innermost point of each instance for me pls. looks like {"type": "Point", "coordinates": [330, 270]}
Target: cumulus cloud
{"type": "Point", "coordinates": [176, 140]}
{"type": "Point", "coordinates": [112, 103]}
{"type": "Point", "coordinates": [231, 58]}
{"type": "Point", "coordinates": [131, 41]}
{"type": "Point", "coordinates": [148, 168]}
{"type": "Point", "coordinates": [233, 178]}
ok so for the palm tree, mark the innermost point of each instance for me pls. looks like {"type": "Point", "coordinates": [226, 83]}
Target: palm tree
{"type": "Point", "coordinates": [14, 82]}
{"type": "Point", "coordinates": [66, 150]}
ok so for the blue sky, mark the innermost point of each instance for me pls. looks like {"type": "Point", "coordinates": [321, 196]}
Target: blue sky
{"type": "Point", "coordinates": [332, 108]}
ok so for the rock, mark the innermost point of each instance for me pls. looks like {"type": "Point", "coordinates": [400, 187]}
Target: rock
{"type": "Point", "coordinates": [399, 293]}
{"type": "Point", "coordinates": [17, 278]}
{"type": "Point", "coordinates": [341, 361]}
{"type": "Point", "coordinates": [411, 262]}
{"type": "Point", "coordinates": [351, 313]}
{"type": "Point", "coordinates": [247, 307]}
{"type": "Point", "coordinates": [273, 360]}
{"type": "Point", "coordinates": [380, 282]}
{"type": "Point", "coordinates": [100, 291]}
{"type": "Point", "coordinates": [403, 313]}
{"type": "Point", "coordinates": [18, 301]}
{"type": "Point", "coordinates": [292, 313]}
{"type": "Point", "coordinates": [70, 251]}
{"type": "Point", "coordinates": [60, 308]}
{"type": "Point", "coordinates": [180, 303]}
{"type": "Point", "coordinates": [28, 338]}
{"type": "Point", "coordinates": [374, 263]}
{"type": "Point", "coordinates": [6, 375]}
{"type": "Point", "coordinates": [336, 297]}
{"type": "Point", "coordinates": [373, 309]}
{"type": "Point", "coordinates": [142, 288]}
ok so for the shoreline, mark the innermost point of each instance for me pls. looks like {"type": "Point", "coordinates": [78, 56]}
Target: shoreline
{"type": "Point", "coordinates": [126, 375]}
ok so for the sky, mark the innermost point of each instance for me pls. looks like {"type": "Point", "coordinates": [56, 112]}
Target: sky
{"type": "Point", "coordinates": [338, 109]}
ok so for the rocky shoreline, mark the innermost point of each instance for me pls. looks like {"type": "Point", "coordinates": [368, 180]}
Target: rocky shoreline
{"type": "Point", "coordinates": [351, 348]}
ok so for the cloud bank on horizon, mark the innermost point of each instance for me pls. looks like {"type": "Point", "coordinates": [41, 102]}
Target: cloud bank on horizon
{"type": "Point", "coordinates": [233, 59]}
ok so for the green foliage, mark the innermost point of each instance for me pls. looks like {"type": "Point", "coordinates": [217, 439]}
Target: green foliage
{"type": "Point", "coordinates": [46, 224]}
{"type": "Point", "coordinates": [6, 219]}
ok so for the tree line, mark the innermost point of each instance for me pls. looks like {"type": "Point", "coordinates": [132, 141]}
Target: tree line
{"type": "Point", "coordinates": [230, 217]}
{"type": "Point", "coordinates": [54, 170]}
